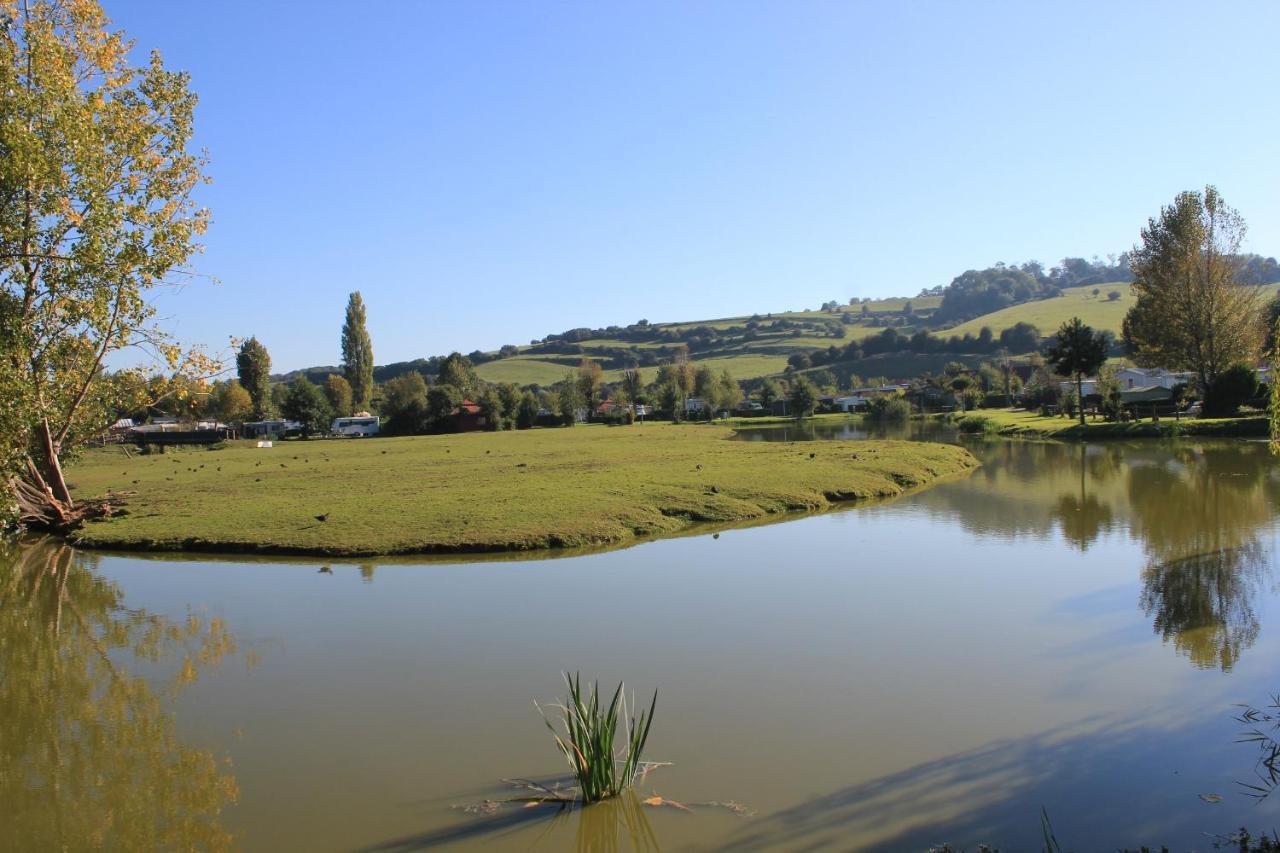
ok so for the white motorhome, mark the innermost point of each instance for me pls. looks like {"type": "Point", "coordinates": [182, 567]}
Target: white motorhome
{"type": "Point", "coordinates": [355, 427]}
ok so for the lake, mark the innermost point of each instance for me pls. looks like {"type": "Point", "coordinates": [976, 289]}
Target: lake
{"type": "Point", "coordinates": [1068, 627]}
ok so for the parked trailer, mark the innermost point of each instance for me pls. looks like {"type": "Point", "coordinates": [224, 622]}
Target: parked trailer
{"type": "Point", "coordinates": [355, 427]}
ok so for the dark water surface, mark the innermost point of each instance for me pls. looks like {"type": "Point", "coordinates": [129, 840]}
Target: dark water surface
{"type": "Point", "coordinates": [1069, 627]}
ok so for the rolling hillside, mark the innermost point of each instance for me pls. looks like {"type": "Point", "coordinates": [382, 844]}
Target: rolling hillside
{"type": "Point", "coordinates": [759, 345]}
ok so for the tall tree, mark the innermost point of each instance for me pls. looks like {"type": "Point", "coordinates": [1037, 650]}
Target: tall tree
{"type": "Point", "coordinates": [456, 370]}
{"type": "Point", "coordinates": [633, 383]}
{"type": "Point", "coordinates": [803, 397]}
{"type": "Point", "coordinates": [725, 393]}
{"type": "Point", "coordinates": [1077, 351]}
{"type": "Point", "coordinates": [341, 398]}
{"type": "Point", "coordinates": [1192, 311]}
{"type": "Point", "coordinates": [231, 402]}
{"type": "Point", "coordinates": [357, 353]}
{"type": "Point", "coordinates": [307, 405]}
{"type": "Point", "coordinates": [768, 392]}
{"type": "Point", "coordinates": [253, 365]}
{"type": "Point", "coordinates": [589, 377]}
{"type": "Point", "coordinates": [96, 209]}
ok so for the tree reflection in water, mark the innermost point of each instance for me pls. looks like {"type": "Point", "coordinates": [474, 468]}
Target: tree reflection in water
{"type": "Point", "coordinates": [89, 757]}
{"type": "Point", "coordinates": [1204, 603]}
{"type": "Point", "coordinates": [1198, 515]}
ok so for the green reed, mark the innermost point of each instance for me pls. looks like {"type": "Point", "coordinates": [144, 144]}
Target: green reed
{"type": "Point", "coordinates": [588, 734]}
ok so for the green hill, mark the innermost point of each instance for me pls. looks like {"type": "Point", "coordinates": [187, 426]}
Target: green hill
{"type": "Point", "coordinates": [1047, 315]}
{"type": "Point", "coordinates": [751, 347]}
{"type": "Point", "coordinates": [757, 346]}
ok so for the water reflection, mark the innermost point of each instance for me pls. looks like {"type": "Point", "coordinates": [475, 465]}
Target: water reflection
{"type": "Point", "coordinates": [1197, 508]}
{"type": "Point", "coordinates": [604, 827]}
{"type": "Point", "coordinates": [1082, 516]}
{"type": "Point", "coordinates": [1204, 603]}
{"type": "Point", "coordinates": [1198, 512]}
{"type": "Point", "coordinates": [89, 757]}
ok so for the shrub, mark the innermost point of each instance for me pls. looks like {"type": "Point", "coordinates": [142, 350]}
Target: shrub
{"type": "Point", "coordinates": [977, 425]}
{"type": "Point", "coordinates": [996, 400]}
{"type": "Point", "coordinates": [1231, 389]}
{"type": "Point", "coordinates": [889, 409]}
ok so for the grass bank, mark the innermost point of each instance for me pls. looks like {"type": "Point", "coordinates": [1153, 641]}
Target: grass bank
{"type": "Point", "coordinates": [1018, 423]}
{"type": "Point", "coordinates": [484, 491]}
{"type": "Point", "coordinates": [769, 420]}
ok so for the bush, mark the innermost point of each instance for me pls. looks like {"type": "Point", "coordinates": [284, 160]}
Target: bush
{"type": "Point", "coordinates": [994, 400]}
{"type": "Point", "coordinates": [889, 410]}
{"type": "Point", "coordinates": [1231, 389]}
{"type": "Point", "coordinates": [977, 425]}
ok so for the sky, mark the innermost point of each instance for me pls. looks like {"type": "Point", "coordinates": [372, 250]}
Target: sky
{"type": "Point", "coordinates": [487, 173]}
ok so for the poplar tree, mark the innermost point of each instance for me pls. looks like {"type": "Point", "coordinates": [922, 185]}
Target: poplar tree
{"type": "Point", "coordinates": [253, 364]}
{"type": "Point", "coordinates": [357, 353]}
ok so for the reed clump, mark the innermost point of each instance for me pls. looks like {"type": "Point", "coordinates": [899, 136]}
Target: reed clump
{"type": "Point", "coordinates": [602, 744]}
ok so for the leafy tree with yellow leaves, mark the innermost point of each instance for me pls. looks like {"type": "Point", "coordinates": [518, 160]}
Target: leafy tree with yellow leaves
{"type": "Point", "coordinates": [96, 209]}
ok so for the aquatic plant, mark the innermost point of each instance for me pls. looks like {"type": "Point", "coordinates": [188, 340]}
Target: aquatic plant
{"type": "Point", "coordinates": [588, 734]}
{"type": "Point", "coordinates": [1260, 727]}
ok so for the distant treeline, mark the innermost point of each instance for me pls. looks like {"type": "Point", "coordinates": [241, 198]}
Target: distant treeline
{"type": "Point", "coordinates": [1017, 339]}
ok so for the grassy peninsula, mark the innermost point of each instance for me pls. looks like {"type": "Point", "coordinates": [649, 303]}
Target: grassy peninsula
{"type": "Point", "coordinates": [500, 491]}
{"type": "Point", "coordinates": [1017, 423]}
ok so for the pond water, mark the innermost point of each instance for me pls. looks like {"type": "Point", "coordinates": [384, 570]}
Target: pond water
{"type": "Point", "coordinates": [1068, 627]}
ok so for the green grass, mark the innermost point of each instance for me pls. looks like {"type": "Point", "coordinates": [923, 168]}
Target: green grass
{"type": "Point", "coordinates": [1048, 314]}
{"type": "Point", "coordinates": [1023, 424]}
{"type": "Point", "coordinates": [568, 487]}
{"type": "Point", "coordinates": [522, 370]}
{"type": "Point", "coordinates": [745, 366]}
{"type": "Point", "coordinates": [587, 744]}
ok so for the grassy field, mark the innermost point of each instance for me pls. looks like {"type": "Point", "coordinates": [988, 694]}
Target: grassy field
{"type": "Point", "coordinates": [1048, 314]}
{"type": "Point", "coordinates": [1018, 423]}
{"type": "Point", "coordinates": [522, 370]}
{"type": "Point", "coordinates": [590, 485]}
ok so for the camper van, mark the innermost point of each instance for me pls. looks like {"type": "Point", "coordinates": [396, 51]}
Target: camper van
{"type": "Point", "coordinates": [355, 427]}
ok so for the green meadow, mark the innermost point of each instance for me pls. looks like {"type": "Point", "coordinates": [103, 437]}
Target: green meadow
{"type": "Point", "coordinates": [569, 487]}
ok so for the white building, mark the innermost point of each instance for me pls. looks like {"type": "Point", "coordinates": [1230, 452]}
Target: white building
{"type": "Point", "coordinates": [1143, 377]}
{"type": "Point", "coordinates": [1132, 378]}
{"type": "Point", "coordinates": [851, 403]}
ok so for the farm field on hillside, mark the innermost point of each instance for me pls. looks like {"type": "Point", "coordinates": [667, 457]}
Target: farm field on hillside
{"type": "Point", "coordinates": [1048, 314]}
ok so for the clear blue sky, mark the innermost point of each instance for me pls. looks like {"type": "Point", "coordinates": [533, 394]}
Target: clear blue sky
{"type": "Point", "coordinates": [486, 173]}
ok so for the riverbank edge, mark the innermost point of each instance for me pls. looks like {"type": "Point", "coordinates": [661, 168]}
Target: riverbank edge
{"type": "Point", "coordinates": [1030, 426]}
{"type": "Point", "coordinates": [736, 501]}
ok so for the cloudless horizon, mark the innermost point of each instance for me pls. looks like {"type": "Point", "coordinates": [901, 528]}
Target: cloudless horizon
{"type": "Point", "coordinates": [487, 173]}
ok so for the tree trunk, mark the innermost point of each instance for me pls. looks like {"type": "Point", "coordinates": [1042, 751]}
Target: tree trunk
{"type": "Point", "coordinates": [1080, 396]}
{"type": "Point", "coordinates": [43, 498]}
{"type": "Point", "coordinates": [53, 466]}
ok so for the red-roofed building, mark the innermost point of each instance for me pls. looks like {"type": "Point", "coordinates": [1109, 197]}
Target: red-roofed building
{"type": "Point", "coordinates": [469, 417]}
